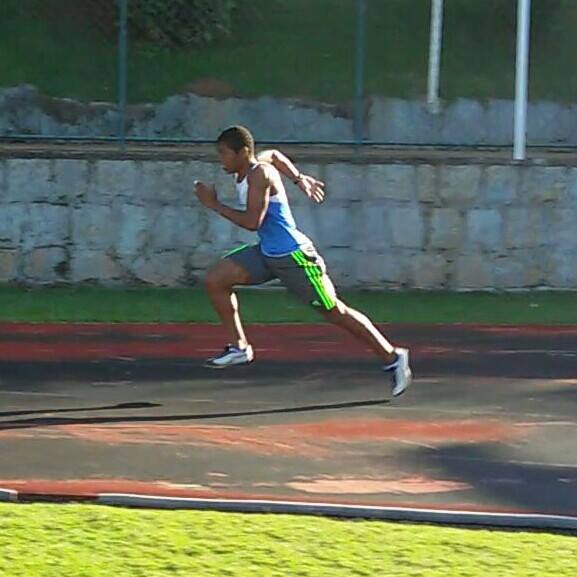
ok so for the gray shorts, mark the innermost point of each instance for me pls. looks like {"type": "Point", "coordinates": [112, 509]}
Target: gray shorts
{"type": "Point", "coordinates": [303, 272]}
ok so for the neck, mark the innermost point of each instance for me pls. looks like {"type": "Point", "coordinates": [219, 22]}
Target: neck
{"type": "Point", "coordinates": [243, 170]}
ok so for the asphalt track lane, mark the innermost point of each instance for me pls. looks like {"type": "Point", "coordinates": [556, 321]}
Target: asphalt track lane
{"type": "Point", "coordinates": [489, 425]}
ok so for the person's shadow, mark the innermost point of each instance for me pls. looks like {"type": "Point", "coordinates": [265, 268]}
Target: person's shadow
{"type": "Point", "coordinates": [55, 421]}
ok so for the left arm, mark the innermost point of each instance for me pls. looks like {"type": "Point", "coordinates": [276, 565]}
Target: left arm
{"type": "Point", "coordinates": [313, 188]}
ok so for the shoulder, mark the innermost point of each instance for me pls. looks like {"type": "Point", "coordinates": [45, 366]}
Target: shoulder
{"type": "Point", "coordinates": [267, 156]}
{"type": "Point", "coordinates": [262, 173]}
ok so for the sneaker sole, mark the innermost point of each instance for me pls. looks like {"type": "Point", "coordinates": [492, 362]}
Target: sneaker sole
{"type": "Point", "coordinates": [409, 383]}
{"type": "Point", "coordinates": [211, 366]}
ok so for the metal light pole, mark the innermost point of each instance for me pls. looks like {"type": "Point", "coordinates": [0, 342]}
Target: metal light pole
{"type": "Point", "coordinates": [522, 78]}
{"type": "Point", "coordinates": [122, 70]}
{"type": "Point", "coordinates": [359, 111]}
{"type": "Point", "coordinates": [435, 47]}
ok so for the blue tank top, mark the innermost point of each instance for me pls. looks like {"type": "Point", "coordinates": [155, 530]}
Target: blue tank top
{"type": "Point", "coordinates": [278, 233]}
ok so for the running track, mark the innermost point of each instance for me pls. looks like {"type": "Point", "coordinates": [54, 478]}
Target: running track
{"type": "Point", "coordinates": [490, 423]}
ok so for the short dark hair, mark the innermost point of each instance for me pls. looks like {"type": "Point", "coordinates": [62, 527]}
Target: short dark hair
{"type": "Point", "coordinates": [236, 138]}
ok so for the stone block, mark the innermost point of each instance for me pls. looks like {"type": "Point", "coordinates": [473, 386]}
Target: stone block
{"type": "Point", "coordinates": [523, 228]}
{"type": "Point", "coordinates": [341, 266]}
{"type": "Point", "coordinates": [9, 261]}
{"type": "Point", "coordinates": [464, 122]}
{"type": "Point", "coordinates": [12, 219]}
{"type": "Point", "coordinates": [346, 181]}
{"type": "Point", "coordinates": [561, 270]}
{"type": "Point", "coordinates": [572, 187]}
{"type": "Point", "coordinates": [379, 270]}
{"type": "Point", "coordinates": [460, 185]}
{"type": "Point", "coordinates": [95, 265]}
{"type": "Point", "coordinates": [391, 181]}
{"type": "Point", "coordinates": [46, 265]}
{"type": "Point", "coordinates": [202, 257]}
{"type": "Point", "coordinates": [164, 182]}
{"type": "Point", "coordinates": [401, 121]}
{"type": "Point", "coordinates": [306, 216]}
{"type": "Point", "coordinates": [407, 227]}
{"type": "Point", "coordinates": [549, 123]}
{"type": "Point", "coordinates": [114, 179]}
{"type": "Point", "coordinates": [170, 117]}
{"type": "Point", "coordinates": [473, 272]}
{"type": "Point", "coordinates": [560, 229]}
{"type": "Point", "coordinates": [500, 115]}
{"type": "Point", "coordinates": [544, 184]}
{"type": "Point", "coordinates": [446, 228]}
{"type": "Point", "coordinates": [371, 229]}
{"type": "Point", "coordinates": [501, 185]}
{"type": "Point", "coordinates": [174, 228]}
{"type": "Point", "coordinates": [132, 234]}
{"type": "Point", "coordinates": [46, 225]}
{"type": "Point", "coordinates": [335, 228]}
{"type": "Point", "coordinates": [71, 178]}
{"type": "Point", "coordinates": [430, 271]}
{"type": "Point", "coordinates": [93, 227]}
{"type": "Point", "coordinates": [485, 229]}
{"type": "Point", "coordinates": [160, 268]}
{"type": "Point", "coordinates": [519, 270]}
{"type": "Point", "coordinates": [220, 233]}
{"type": "Point", "coordinates": [427, 183]}
{"type": "Point", "coordinates": [30, 180]}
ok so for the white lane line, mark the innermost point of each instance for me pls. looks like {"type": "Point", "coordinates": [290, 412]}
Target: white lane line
{"type": "Point", "coordinates": [471, 413]}
{"type": "Point", "coordinates": [110, 383]}
{"type": "Point", "coordinates": [507, 462]}
{"type": "Point", "coordinates": [34, 394]}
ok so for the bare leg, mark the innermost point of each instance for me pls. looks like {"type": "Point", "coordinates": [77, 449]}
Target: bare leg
{"type": "Point", "coordinates": [219, 283]}
{"type": "Point", "coordinates": [361, 327]}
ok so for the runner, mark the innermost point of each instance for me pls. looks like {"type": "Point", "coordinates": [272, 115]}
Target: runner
{"type": "Point", "coordinates": [283, 252]}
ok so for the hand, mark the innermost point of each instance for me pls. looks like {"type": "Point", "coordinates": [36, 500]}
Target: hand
{"type": "Point", "coordinates": [313, 188]}
{"type": "Point", "coordinates": [206, 194]}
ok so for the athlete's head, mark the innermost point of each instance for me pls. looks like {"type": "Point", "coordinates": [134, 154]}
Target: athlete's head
{"type": "Point", "coordinates": [235, 148]}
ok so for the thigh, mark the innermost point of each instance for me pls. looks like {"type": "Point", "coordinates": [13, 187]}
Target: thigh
{"type": "Point", "coordinates": [305, 275]}
{"type": "Point", "coordinates": [249, 260]}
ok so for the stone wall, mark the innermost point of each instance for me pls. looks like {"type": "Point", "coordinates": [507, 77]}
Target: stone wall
{"type": "Point", "coordinates": [392, 225]}
{"type": "Point", "coordinates": [23, 111]}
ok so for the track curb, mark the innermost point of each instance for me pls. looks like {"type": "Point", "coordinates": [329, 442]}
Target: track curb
{"type": "Point", "coordinates": [533, 521]}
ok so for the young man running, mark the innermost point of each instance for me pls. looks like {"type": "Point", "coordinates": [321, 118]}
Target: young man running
{"type": "Point", "coordinates": [283, 252]}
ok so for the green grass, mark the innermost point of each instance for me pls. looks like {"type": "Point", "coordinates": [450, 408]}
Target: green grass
{"type": "Point", "coordinates": [86, 304]}
{"type": "Point", "coordinates": [300, 48]}
{"type": "Point", "coordinates": [91, 541]}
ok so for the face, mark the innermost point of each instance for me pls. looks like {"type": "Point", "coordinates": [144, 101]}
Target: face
{"type": "Point", "coordinates": [230, 160]}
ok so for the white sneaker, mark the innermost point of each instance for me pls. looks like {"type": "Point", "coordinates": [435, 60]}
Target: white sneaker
{"type": "Point", "coordinates": [231, 356]}
{"type": "Point", "coordinates": [402, 374]}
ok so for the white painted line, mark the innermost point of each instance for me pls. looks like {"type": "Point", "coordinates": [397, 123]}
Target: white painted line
{"type": "Point", "coordinates": [508, 462]}
{"type": "Point", "coordinates": [8, 495]}
{"type": "Point", "coordinates": [110, 383]}
{"type": "Point", "coordinates": [519, 520]}
{"type": "Point", "coordinates": [33, 393]}
{"type": "Point", "coordinates": [470, 414]}
{"type": "Point", "coordinates": [534, 352]}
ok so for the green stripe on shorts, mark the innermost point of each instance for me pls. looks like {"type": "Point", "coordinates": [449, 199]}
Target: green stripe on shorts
{"type": "Point", "coordinates": [235, 250]}
{"type": "Point", "coordinates": [314, 274]}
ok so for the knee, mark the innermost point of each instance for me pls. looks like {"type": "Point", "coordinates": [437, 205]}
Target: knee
{"type": "Point", "coordinates": [337, 314]}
